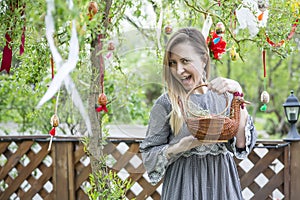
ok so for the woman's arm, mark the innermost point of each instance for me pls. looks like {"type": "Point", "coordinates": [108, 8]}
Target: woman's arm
{"type": "Point", "coordinates": [240, 136]}
{"type": "Point", "coordinates": [246, 136]}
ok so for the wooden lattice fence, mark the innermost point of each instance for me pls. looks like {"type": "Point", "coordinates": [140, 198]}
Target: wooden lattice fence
{"type": "Point", "coordinates": [29, 171]}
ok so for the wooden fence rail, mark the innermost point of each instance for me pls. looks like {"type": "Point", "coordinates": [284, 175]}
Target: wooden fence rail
{"type": "Point", "coordinates": [29, 171]}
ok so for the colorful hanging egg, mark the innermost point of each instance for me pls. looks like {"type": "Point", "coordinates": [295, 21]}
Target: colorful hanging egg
{"type": "Point", "coordinates": [168, 29]}
{"type": "Point", "coordinates": [265, 97]}
{"type": "Point", "coordinates": [233, 54]}
{"type": "Point", "coordinates": [263, 5]}
{"type": "Point", "coordinates": [102, 99]}
{"type": "Point", "coordinates": [93, 9]}
{"type": "Point", "coordinates": [220, 29]}
{"type": "Point", "coordinates": [54, 120]}
{"type": "Point", "coordinates": [111, 46]}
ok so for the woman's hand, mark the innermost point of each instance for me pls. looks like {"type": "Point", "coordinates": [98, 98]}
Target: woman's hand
{"type": "Point", "coordinates": [221, 85]}
{"type": "Point", "coordinates": [183, 145]}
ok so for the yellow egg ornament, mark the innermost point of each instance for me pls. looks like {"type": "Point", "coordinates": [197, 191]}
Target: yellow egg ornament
{"type": "Point", "coordinates": [233, 54]}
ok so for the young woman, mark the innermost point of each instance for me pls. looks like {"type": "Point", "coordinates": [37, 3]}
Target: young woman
{"type": "Point", "coordinates": [192, 169]}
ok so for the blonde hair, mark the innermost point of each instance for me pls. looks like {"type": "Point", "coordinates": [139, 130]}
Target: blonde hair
{"type": "Point", "coordinates": [175, 90]}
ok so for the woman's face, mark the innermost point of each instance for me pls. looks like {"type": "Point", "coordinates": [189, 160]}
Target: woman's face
{"type": "Point", "coordinates": [186, 65]}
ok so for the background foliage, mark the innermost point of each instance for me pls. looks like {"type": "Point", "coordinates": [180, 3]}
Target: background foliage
{"type": "Point", "coordinates": [133, 73]}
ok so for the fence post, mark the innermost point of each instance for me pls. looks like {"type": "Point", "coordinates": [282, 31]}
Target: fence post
{"type": "Point", "coordinates": [63, 170]}
{"type": "Point", "coordinates": [295, 171]}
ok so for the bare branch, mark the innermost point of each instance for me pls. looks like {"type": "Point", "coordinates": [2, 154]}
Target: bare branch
{"type": "Point", "coordinates": [141, 30]}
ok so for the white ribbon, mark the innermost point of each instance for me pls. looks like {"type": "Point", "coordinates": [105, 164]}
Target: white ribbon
{"type": "Point", "coordinates": [206, 26]}
{"type": "Point", "coordinates": [64, 67]}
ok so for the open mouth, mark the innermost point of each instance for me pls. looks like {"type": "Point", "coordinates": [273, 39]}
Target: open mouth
{"type": "Point", "coordinates": [187, 79]}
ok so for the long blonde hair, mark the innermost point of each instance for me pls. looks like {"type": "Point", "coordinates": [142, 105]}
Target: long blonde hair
{"type": "Point", "coordinates": [175, 90]}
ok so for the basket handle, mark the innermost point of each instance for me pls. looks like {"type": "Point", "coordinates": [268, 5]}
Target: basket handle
{"type": "Point", "coordinates": [204, 85]}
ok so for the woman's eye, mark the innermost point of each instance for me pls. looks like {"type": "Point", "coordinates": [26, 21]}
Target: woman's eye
{"type": "Point", "coordinates": [185, 61]}
{"type": "Point", "coordinates": [172, 63]}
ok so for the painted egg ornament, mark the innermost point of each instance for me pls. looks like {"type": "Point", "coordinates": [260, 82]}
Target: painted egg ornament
{"type": "Point", "coordinates": [233, 54]}
{"type": "Point", "coordinates": [93, 9]}
{"type": "Point", "coordinates": [54, 120]}
{"type": "Point", "coordinates": [265, 97]}
{"type": "Point", "coordinates": [102, 99]}
{"type": "Point", "coordinates": [263, 5]}
{"type": "Point", "coordinates": [220, 29]}
{"type": "Point", "coordinates": [168, 29]}
{"type": "Point", "coordinates": [111, 46]}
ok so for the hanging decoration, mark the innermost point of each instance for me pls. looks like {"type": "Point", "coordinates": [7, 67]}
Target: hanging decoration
{"type": "Point", "coordinates": [215, 42]}
{"type": "Point", "coordinates": [295, 7]}
{"type": "Point", "coordinates": [263, 5]}
{"type": "Point", "coordinates": [7, 55]}
{"type": "Point", "coordinates": [206, 26]}
{"type": "Point", "coordinates": [293, 30]}
{"type": "Point", "coordinates": [295, 10]}
{"type": "Point", "coordinates": [289, 36]}
{"type": "Point", "coordinates": [102, 99]}
{"type": "Point", "coordinates": [252, 15]}
{"type": "Point", "coordinates": [54, 121]}
{"type": "Point", "coordinates": [93, 9]}
{"type": "Point", "coordinates": [7, 50]}
{"type": "Point", "coordinates": [64, 66]}
{"type": "Point", "coordinates": [220, 29]}
{"type": "Point", "coordinates": [168, 29]}
{"type": "Point", "coordinates": [264, 97]}
{"type": "Point", "coordinates": [110, 48]}
{"type": "Point", "coordinates": [233, 54]}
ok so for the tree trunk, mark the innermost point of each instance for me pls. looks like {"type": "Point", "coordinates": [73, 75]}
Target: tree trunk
{"type": "Point", "coordinates": [96, 88]}
{"type": "Point", "coordinates": [95, 144]}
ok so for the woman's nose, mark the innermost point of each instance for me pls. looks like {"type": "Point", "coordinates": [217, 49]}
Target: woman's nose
{"type": "Point", "coordinates": [180, 68]}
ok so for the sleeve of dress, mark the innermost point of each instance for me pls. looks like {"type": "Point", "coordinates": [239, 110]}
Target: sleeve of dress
{"type": "Point", "coordinates": [251, 136]}
{"type": "Point", "coordinates": [153, 147]}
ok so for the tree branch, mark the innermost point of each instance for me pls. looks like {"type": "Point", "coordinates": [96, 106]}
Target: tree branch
{"type": "Point", "coordinates": [136, 26]}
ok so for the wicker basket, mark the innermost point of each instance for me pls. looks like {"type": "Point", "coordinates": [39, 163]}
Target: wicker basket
{"type": "Point", "coordinates": [216, 127]}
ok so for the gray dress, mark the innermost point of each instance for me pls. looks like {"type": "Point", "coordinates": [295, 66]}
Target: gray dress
{"type": "Point", "coordinates": [207, 172]}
